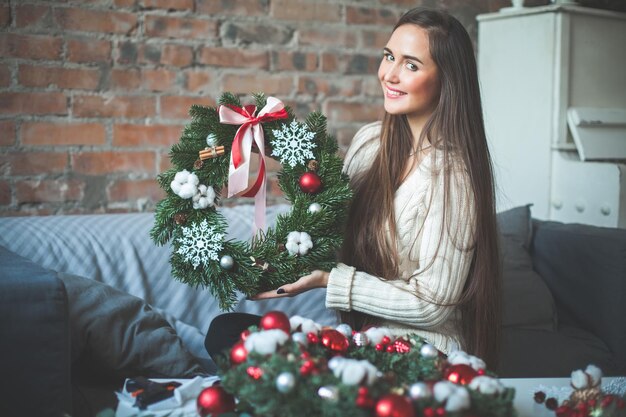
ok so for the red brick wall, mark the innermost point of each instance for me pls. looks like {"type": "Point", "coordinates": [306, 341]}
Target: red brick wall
{"type": "Point", "coordinates": [93, 93]}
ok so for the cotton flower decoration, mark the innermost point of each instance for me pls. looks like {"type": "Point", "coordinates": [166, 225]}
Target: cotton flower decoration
{"type": "Point", "coordinates": [306, 325]}
{"type": "Point", "coordinates": [588, 378]}
{"type": "Point", "coordinates": [455, 396]}
{"type": "Point", "coordinates": [205, 197]}
{"type": "Point", "coordinates": [486, 385]}
{"type": "Point", "coordinates": [376, 334]}
{"type": "Point", "coordinates": [265, 342]}
{"type": "Point", "coordinates": [185, 184]}
{"type": "Point", "coordinates": [459, 357]}
{"type": "Point", "coordinates": [298, 243]}
{"type": "Point", "coordinates": [353, 371]}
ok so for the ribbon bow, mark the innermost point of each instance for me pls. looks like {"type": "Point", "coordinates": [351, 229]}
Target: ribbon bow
{"type": "Point", "coordinates": [250, 131]}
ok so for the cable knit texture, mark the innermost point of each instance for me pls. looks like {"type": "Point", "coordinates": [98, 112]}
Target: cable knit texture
{"type": "Point", "coordinates": [433, 265]}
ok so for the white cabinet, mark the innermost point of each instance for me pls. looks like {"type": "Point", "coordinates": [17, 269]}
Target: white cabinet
{"type": "Point", "coordinates": [535, 65]}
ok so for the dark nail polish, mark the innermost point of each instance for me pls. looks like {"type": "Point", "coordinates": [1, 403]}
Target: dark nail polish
{"type": "Point", "coordinates": [280, 291]}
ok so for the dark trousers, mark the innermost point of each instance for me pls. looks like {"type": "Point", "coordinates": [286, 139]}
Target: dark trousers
{"type": "Point", "coordinates": [225, 330]}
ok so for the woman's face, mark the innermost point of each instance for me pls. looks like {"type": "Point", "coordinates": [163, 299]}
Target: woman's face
{"type": "Point", "coordinates": [408, 74]}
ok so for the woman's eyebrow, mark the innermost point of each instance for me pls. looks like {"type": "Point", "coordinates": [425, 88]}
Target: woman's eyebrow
{"type": "Point", "coordinates": [404, 56]}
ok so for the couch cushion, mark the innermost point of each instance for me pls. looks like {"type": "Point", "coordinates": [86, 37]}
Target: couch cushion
{"type": "Point", "coordinates": [527, 301]}
{"type": "Point", "coordinates": [34, 340]}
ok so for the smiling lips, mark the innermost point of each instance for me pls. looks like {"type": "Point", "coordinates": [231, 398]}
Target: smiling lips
{"type": "Point", "coordinates": [392, 93]}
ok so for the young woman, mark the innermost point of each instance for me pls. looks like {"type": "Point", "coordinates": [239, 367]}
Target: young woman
{"type": "Point", "coordinates": [420, 252]}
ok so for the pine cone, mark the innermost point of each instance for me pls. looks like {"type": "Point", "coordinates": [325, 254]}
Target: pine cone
{"type": "Point", "coordinates": [180, 218]}
{"type": "Point", "coordinates": [585, 394]}
{"type": "Point", "coordinates": [198, 164]}
{"type": "Point", "coordinates": [313, 165]}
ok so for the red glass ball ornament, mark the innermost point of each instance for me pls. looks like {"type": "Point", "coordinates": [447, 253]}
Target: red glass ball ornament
{"type": "Point", "coordinates": [481, 372]}
{"type": "Point", "coordinates": [310, 183]}
{"type": "Point", "coordinates": [335, 341]}
{"type": "Point", "coordinates": [312, 338]}
{"type": "Point", "coordinates": [440, 412]}
{"type": "Point", "coordinates": [429, 412]}
{"type": "Point", "coordinates": [379, 347]}
{"type": "Point", "coordinates": [460, 373]}
{"type": "Point", "coordinates": [276, 320]}
{"type": "Point", "coordinates": [214, 401]}
{"type": "Point", "coordinates": [254, 372]}
{"type": "Point", "coordinates": [363, 399]}
{"type": "Point", "coordinates": [391, 349]}
{"type": "Point", "coordinates": [244, 335]}
{"type": "Point", "coordinates": [238, 354]}
{"type": "Point", "coordinates": [386, 340]}
{"type": "Point", "coordinates": [563, 411]}
{"type": "Point", "coordinates": [394, 405]}
{"type": "Point", "coordinates": [402, 345]}
{"type": "Point", "coordinates": [307, 368]}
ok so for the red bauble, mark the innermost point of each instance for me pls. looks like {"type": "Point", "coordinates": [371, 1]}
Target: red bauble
{"type": "Point", "coordinates": [214, 401]}
{"type": "Point", "coordinates": [307, 368]}
{"type": "Point", "coordinates": [254, 372]}
{"type": "Point", "coordinates": [460, 374]}
{"type": "Point", "coordinates": [363, 399]}
{"type": "Point", "coordinates": [276, 320]}
{"type": "Point", "coordinates": [310, 183]}
{"type": "Point", "coordinates": [244, 335]}
{"type": "Point", "coordinates": [312, 338]}
{"type": "Point", "coordinates": [238, 354]}
{"type": "Point", "coordinates": [335, 341]}
{"type": "Point", "coordinates": [394, 405]}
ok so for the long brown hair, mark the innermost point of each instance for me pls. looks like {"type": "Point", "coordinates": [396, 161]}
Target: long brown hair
{"type": "Point", "coordinates": [456, 131]}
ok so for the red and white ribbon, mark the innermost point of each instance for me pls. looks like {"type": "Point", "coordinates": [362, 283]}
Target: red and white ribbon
{"type": "Point", "coordinates": [250, 131]}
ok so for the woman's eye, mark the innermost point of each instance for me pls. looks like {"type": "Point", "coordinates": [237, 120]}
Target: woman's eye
{"type": "Point", "coordinates": [388, 57]}
{"type": "Point", "coordinates": [411, 66]}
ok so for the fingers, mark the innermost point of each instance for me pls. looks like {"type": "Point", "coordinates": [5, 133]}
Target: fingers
{"type": "Point", "coordinates": [267, 295]}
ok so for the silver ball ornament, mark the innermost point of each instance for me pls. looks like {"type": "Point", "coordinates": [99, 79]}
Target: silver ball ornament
{"type": "Point", "coordinates": [300, 338]}
{"type": "Point", "coordinates": [344, 329]}
{"type": "Point", "coordinates": [285, 382]}
{"type": "Point", "coordinates": [420, 390]}
{"type": "Point", "coordinates": [227, 262]}
{"type": "Point", "coordinates": [211, 139]}
{"type": "Point", "coordinates": [360, 339]}
{"type": "Point", "coordinates": [329, 393]}
{"type": "Point", "coordinates": [315, 208]}
{"type": "Point", "coordinates": [429, 351]}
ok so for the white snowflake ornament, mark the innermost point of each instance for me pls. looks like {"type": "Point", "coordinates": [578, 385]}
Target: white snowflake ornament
{"type": "Point", "coordinates": [298, 243]}
{"type": "Point", "coordinates": [205, 197]}
{"type": "Point", "coordinates": [200, 244]}
{"type": "Point", "coordinates": [185, 184]}
{"type": "Point", "coordinates": [293, 144]}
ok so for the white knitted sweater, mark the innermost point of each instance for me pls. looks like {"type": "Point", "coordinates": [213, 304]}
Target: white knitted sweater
{"type": "Point", "coordinates": [396, 302]}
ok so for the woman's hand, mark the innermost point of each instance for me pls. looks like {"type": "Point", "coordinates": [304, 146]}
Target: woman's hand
{"type": "Point", "coordinates": [316, 279]}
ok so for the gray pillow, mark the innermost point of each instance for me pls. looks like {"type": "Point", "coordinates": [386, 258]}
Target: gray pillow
{"type": "Point", "coordinates": [117, 335]}
{"type": "Point", "coordinates": [527, 301]}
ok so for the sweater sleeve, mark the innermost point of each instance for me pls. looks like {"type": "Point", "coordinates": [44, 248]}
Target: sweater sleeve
{"type": "Point", "coordinates": [440, 275]}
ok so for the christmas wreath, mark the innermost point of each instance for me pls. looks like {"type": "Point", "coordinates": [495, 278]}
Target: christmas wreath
{"type": "Point", "coordinates": [295, 367]}
{"type": "Point", "coordinates": [215, 149]}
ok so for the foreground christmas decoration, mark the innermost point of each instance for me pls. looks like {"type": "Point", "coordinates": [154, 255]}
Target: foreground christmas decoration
{"type": "Point", "coordinates": [215, 150]}
{"type": "Point", "coordinates": [320, 371]}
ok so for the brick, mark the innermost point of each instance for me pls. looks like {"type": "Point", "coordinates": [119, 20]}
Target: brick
{"type": "Point", "coordinates": [34, 17]}
{"type": "Point", "coordinates": [179, 27]}
{"type": "Point", "coordinates": [329, 86]}
{"type": "Point", "coordinates": [115, 106]}
{"type": "Point", "coordinates": [5, 16]}
{"type": "Point", "coordinates": [256, 33]}
{"type": "Point", "coordinates": [125, 3]}
{"type": "Point", "coordinates": [142, 135]}
{"type": "Point", "coordinates": [46, 133]}
{"type": "Point", "coordinates": [198, 81]}
{"type": "Point", "coordinates": [350, 64]}
{"type": "Point", "coordinates": [124, 79]}
{"type": "Point", "coordinates": [176, 55]}
{"type": "Point", "coordinates": [345, 135]}
{"type": "Point", "coordinates": [127, 52]}
{"type": "Point", "coordinates": [125, 190]}
{"type": "Point", "coordinates": [370, 16]}
{"type": "Point", "coordinates": [158, 80]}
{"type": "Point", "coordinates": [31, 163]}
{"type": "Point", "coordinates": [100, 163]}
{"type": "Point", "coordinates": [35, 76]}
{"type": "Point", "coordinates": [232, 7]}
{"type": "Point", "coordinates": [174, 5]}
{"type": "Point", "coordinates": [177, 107]}
{"type": "Point", "coordinates": [374, 39]}
{"type": "Point", "coordinates": [30, 46]}
{"type": "Point", "coordinates": [294, 61]}
{"type": "Point", "coordinates": [372, 88]}
{"type": "Point", "coordinates": [49, 191]}
{"type": "Point", "coordinates": [33, 103]}
{"type": "Point", "coordinates": [7, 133]}
{"type": "Point", "coordinates": [328, 37]}
{"type": "Point", "coordinates": [5, 193]}
{"type": "Point", "coordinates": [250, 83]}
{"type": "Point", "coordinates": [96, 21]}
{"type": "Point", "coordinates": [352, 112]}
{"type": "Point", "coordinates": [88, 50]}
{"type": "Point", "coordinates": [305, 10]}
{"type": "Point", "coordinates": [5, 76]}
{"type": "Point", "coordinates": [233, 57]}
{"type": "Point", "coordinates": [164, 162]}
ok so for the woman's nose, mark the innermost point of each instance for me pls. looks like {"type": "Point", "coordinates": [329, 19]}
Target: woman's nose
{"type": "Point", "coordinates": [391, 74]}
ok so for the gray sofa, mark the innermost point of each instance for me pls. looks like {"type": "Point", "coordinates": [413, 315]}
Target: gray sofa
{"type": "Point", "coordinates": [75, 339]}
